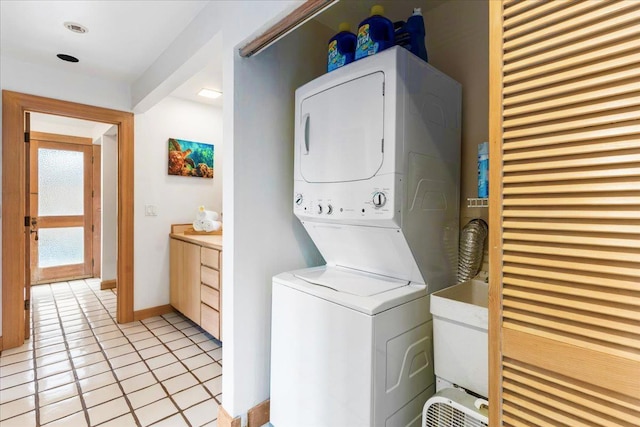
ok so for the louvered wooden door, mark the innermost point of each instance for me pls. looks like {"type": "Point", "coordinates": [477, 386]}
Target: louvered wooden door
{"type": "Point", "coordinates": [565, 213]}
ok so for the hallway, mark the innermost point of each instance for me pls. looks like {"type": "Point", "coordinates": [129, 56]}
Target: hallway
{"type": "Point", "coordinates": [81, 368]}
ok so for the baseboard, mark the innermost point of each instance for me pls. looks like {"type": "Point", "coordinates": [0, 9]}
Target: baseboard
{"type": "Point", "coordinates": [153, 311]}
{"type": "Point", "coordinates": [225, 420]}
{"type": "Point", "coordinates": [260, 414]}
{"type": "Point", "coordinates": [107, 284]}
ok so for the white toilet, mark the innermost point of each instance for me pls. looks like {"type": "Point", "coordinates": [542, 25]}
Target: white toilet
{"type": "Point", "coordinates": [460, 346]}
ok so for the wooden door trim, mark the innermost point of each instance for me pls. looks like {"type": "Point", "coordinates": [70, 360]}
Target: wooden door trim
{"type": "Point", "coordinates": [96, 209]}
{"type": "Point", "coordinates": [495, 212]}
{"type": "Point", "coordinates": [64, 139]}
{"type": "Point", "coordinates": [13, 207]}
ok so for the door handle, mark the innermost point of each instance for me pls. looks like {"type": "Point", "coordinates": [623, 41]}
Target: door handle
{"type": "Point", "coordinates": [307, 119]}
{"type": "Point", "coordinates": [34, 227]}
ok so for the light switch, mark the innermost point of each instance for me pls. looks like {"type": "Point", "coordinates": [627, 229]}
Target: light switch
{"type": "Point", "coordinates": [150, 210]}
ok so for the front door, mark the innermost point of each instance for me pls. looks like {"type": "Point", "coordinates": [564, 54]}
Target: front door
{"type": "Point", "coordinates": [61, 207]}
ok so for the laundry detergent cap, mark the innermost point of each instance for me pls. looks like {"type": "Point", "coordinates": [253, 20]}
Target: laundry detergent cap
{"type": "Point", "coordinates": [344, 26]}
{"type": "Point", "coordinates": [377, 10]}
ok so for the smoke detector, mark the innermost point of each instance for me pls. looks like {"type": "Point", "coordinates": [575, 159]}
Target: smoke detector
{"type": "Point", "coordinates": [75, 27]}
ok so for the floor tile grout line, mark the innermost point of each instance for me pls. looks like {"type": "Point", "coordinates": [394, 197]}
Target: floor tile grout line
{"type": "Point", "coordinates": [68, 350]}
{"type": "Point", "coordinates": [106, 357]}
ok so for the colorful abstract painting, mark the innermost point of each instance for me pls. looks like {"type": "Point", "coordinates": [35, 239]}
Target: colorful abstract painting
{"type": "Point", "coordinates": [188, 158]}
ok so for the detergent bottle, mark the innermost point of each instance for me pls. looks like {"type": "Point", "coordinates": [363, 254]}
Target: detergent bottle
{"type": "Point", "coordinates": [342, 47]}
{"type": "Point", "coordinates": [375, 34]}
{"type": "Point", "coordinates": [410, 34]}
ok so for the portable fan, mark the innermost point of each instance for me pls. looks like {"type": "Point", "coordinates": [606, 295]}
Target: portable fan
{"type": "Point", "coordinates": [454, 408]}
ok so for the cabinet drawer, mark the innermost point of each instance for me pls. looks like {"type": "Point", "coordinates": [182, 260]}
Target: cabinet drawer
{"type": "Point", "coordinates": [210, 258]}
{"type": "Point", "coordinates": [210, 320]}
{"type": "Point", "coordinates": [210, 296]}
{"type": "Point", "coordinates": [210, 277]}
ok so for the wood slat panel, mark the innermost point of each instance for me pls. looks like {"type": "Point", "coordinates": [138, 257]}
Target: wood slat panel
{"type": "Point", "coordinates": [573, 389]}
{"type": "Point", "coordinates": [577, 161]}
{"type": "Point", "coordinates": [583, 408]}
{"type": "Point", "coordinates": [574, 63]}
{"type": "Point", "coordinates": [577, 308]}
{"type": "Point", "coordinates": [592, 326]}
{"type": "Point", "coordinates": [588, 201]}
{"type": "Point", "coordinates": [603, 146]}
{"type": "Point", "coordinates": [630, 131]}
{"type": "Point", "coordinates": [587, 173]}
{"type": "Point", "coordinates": [570, 99]}
{"type": "Point", "coordinates": [582, 226]}
{"type": "Point", "coordinates": [568, 213]}
{"type": "Point", "coordinates": [556, 416]}
{"type": "Point", "coordinates": [532, 56]}
{"type": "Point", "coordinates": [576, 122]}
{"type": "Point", "coordinates": [539, 16]}
{"type": "Point", "coordinates": [536, 79]}
{"type": "Point", "coordinates": [573, 289]}
{"type": "Point", "coordinates": [606, 349]}
{"type": "Point", "coordinates": [564, 187]}
{"type": "Point", "coordinates": [516, 7]}
{"type": "Point", "coordinates": [610, 372]}
{"type": "Point", "coordinates": [586, 278]}
{"type": "Point", "coordinates": [579, 86]}
{"type": "Point", "coordinates": [578, 27]}
{"type": "Point", "coordinates": [570, 263]}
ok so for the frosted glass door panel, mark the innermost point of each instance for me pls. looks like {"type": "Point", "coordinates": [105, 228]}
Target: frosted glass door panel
{"type": "Point", "coordinates": [60, 246]}
{"type": "Point", "coordinates": [60, 182]}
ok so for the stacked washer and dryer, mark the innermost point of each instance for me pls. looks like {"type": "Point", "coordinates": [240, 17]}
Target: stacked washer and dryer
{"type": "Point", "coordinates": [377, 170]}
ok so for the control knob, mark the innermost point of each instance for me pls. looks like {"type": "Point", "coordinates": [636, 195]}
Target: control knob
{"type": "Point", "coordinates": [319, 209]}
{"type": "Point", "coordinates": [379, 199]}
{"type": "Point", "coordinates": [298, 199]}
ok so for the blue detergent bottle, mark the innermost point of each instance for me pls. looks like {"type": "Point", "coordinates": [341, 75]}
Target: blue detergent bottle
{"type": "Point", "coordinates": [375, 34]}
{"type": "Point", "coordinates": [342, 47]}
{"type": "Point", "coordinates": [410, 34]}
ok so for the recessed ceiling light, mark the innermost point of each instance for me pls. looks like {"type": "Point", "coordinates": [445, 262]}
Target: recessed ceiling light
{"type": "Point", "coordinates": [67, 58]}
{"type": "Point", "coordinates": [75, 27]}
{"type": "Point", "coordinates": [210, 93]}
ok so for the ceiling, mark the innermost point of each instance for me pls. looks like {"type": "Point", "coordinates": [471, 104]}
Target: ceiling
{"type": "Point", "coordinates": [124, 37]}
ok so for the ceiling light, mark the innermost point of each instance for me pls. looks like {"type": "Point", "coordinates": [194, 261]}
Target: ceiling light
{"type": "Point", "coordinates": [75, 27]}
{"type": "Point", "coordinates": [67, 58]}
{"type": "Point", "coordinates": [210, 93]}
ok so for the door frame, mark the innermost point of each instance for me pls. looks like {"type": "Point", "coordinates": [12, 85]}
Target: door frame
{"type": "Point", "coordinates": [14, 105]}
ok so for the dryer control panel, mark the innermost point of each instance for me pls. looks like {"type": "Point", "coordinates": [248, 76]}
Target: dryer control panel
{"type": "Point", "coordinates": [372, 202]}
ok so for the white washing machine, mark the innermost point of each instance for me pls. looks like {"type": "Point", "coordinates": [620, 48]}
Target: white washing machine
{"type": "Point", "coordinates": [376, 186]}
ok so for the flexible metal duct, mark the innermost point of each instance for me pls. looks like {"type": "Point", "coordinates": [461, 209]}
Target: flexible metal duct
{"type": "Point", "coordinates": [471, 248]}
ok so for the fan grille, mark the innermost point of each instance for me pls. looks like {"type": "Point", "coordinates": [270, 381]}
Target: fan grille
{"type": "Point", "coordinates": [445, 415]}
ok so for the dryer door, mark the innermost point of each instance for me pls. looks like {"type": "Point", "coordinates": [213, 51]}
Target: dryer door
{"type": "Point", "coordinates": [340, 135]}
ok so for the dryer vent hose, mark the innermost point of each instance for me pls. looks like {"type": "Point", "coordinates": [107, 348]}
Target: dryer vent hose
{"type": "Point", "coordinates": [471, 249]}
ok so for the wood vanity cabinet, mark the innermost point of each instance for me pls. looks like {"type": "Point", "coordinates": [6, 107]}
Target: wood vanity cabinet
{"type": "Point", "coordinates": [195, 279]}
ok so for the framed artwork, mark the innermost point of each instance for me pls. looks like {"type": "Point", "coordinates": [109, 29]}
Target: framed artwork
{"type": "Point", "coordinates": [188, 158]}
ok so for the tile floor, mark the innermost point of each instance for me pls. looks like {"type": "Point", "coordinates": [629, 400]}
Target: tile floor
{"type": "Point", "coordinates": [80, 368]}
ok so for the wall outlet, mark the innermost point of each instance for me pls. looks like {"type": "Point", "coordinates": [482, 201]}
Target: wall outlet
{"type": "Point", "coordinates": [150, 210]}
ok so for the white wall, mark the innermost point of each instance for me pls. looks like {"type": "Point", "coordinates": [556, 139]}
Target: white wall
{"type": "Point", "coordinates": [267, 238]}
{"type": "Point", "coordinates": [177, 198]}
{"type": "Point", "coordinates": [109, 208]}
{"type": "Point", "coordinates": [458, 45]}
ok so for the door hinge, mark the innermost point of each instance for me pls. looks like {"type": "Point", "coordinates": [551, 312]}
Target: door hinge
{"type": "Point", "coordinates": [27, 137]}
{"type": "Point", "coordinates": [93, 228]}
{"type": "Point", "coordinates": [27, 221]}
{"type": "Point", "coordinates": [92, 192]}
{"type": "Point", "coordinates": [27, 304]}
{"type": "Point", "coordinates": [92, 262]}
{"type": "Point", "coordinates": [91, 159]}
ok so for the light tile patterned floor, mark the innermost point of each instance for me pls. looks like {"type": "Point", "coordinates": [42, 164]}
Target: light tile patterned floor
{"type": "Point", "coordinates": [80, 368]}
